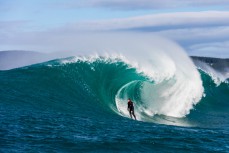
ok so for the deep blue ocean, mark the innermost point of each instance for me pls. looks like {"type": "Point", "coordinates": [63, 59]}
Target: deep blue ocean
{"type": "Point", "coordinates": [80, 106]}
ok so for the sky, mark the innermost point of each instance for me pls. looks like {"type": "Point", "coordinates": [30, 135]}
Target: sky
{"type": "Point", "coordinates": [200, 27]}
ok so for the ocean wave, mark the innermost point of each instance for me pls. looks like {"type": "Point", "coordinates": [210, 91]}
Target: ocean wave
{"type": "Point", "coordinates": [103, 85]}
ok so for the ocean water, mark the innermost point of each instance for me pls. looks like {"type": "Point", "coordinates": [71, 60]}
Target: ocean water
{"type": "Point", "coordinates": [80, 105]}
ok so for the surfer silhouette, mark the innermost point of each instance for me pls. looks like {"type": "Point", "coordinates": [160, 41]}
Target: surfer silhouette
{"type": "Point", "coordinates": [130, 108]}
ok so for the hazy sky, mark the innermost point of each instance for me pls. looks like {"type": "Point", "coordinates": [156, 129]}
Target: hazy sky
{"type": "Point", "coordinates": [200, 27]}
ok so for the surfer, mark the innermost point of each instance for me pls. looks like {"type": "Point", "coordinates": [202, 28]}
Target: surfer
{"type": "Point", "coordinates": [130, 108]}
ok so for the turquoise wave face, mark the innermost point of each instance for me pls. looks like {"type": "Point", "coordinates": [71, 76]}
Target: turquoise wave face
{"type": "Point", "coordinates": [81, 87]}
{"type": "Point", "coordinates": [100, 88]}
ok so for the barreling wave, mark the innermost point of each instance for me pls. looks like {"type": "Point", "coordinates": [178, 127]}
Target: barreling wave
{"type": "Point", "coordinates": [102, 85]}
{"type": "Point", "coordinates": [79, 82]}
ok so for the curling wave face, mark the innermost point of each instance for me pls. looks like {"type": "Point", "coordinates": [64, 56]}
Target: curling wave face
{"type": "Point", "coordinates": [154, 93]}
{"type": "Point", "coordinates": [102, 85]}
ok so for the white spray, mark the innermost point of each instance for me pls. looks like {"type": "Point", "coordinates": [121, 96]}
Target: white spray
{"type": "Point", "coordinates": [177, 86]}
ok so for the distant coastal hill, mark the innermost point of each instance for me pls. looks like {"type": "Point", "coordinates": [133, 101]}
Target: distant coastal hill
{"type": "Point", "coordinates": [216, 63]}
{"type": "Point", "coordinates": [14, 59]}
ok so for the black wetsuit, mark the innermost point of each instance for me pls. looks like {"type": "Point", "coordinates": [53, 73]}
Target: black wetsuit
{"type": "Point", "coordinates": [131, 108]}
{"type": "Point", "coordinates": [130, 105]}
